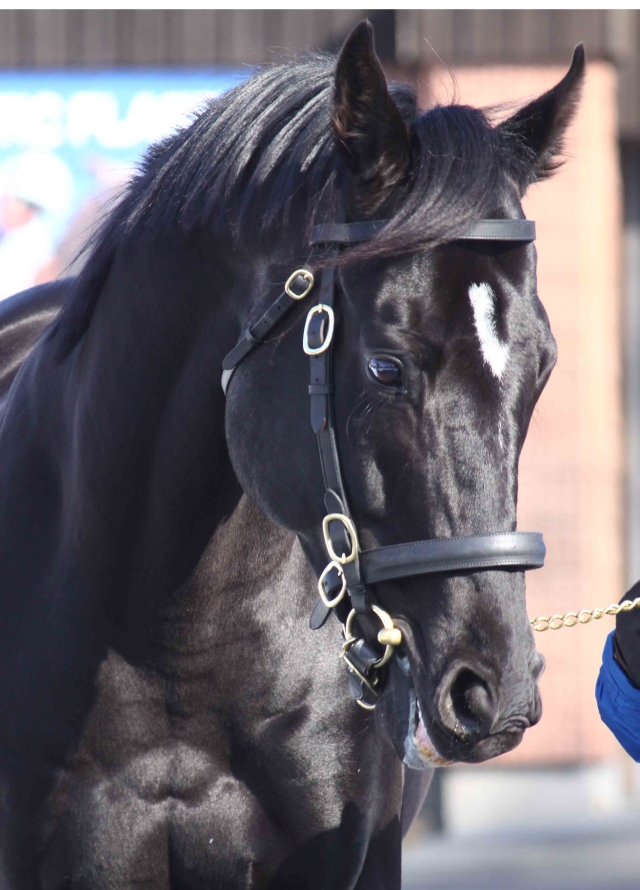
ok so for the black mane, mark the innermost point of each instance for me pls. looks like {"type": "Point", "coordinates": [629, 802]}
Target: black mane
{"type": "Point", "coordinates": [244, 158]}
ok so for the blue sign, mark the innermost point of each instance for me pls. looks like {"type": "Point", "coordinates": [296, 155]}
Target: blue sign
{"type": "Point", "coordinates": [69, 140]}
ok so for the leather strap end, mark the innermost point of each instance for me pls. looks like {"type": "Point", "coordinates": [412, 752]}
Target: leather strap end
{"type": "Point", "coordinates": [243, 347]}
{"type": "Point", "coordinates": [318, 413]}
{"type": "Point", "coordinates": [319, 616]}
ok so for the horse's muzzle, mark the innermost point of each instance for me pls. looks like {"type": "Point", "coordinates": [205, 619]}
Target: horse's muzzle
{"type": "Point", "coordinates": [471, 723]}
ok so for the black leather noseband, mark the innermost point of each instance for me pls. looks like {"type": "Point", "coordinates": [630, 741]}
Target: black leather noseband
{"type": "Point", "coordinates": [351, 571]}
{"type": "Point", "coordinates": [519, 550]}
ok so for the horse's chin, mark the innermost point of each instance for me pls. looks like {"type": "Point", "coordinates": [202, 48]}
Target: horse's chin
{"type": "Point", "coordinates": [400, 719]}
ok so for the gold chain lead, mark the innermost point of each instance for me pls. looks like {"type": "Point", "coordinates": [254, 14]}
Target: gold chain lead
{"type": "Point", "coordinates": [584, 616]}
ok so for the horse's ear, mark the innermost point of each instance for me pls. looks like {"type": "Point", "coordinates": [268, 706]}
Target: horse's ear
{"type": "Point", "coordinates": [371, 133]}
{"type": "Point", "coordinates": [536, 132]}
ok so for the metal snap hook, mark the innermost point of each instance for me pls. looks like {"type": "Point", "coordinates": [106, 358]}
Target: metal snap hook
{"type": "Point", "coordinates": [389, 632]}
{"type": "Point", "coordinates": [366, 683]}
{"type": "Point", "coordinates": [367, 707]}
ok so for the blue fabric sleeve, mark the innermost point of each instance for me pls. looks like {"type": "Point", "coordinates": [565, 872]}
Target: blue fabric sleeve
{"type": "Point", "coordinates": [619, 702]}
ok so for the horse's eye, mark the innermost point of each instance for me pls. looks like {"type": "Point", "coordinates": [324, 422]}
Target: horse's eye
{"type": "Point", "coordinates": [386, 371]}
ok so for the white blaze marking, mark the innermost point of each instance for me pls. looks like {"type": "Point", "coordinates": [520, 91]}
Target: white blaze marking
{"type": "Point", "coordinates": [494, 353]}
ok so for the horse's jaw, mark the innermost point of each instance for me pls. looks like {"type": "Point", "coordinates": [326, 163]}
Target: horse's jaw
{"type": "Point", "coordinates": [400, 719]}
{"type": "Point", "coordinates": [420, 751]}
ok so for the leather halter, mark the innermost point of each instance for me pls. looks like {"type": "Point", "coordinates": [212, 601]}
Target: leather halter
{"type": "Point", "coordinates": [351, 571]}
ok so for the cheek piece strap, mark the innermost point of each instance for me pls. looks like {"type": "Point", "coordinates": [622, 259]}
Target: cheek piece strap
{"type": "Point", "coordinates": [345, 585]}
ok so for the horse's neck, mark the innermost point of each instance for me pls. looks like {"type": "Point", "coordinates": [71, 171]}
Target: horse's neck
{"type": "Point", "coordinates": [161, 384]}
{"type": "Point", "coordinates": [250, 574]}
{"type": "Point", "coordinates": [129, 428]}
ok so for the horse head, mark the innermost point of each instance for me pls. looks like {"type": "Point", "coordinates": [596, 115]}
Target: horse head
{"type": "Point", "coordinates": [441, 351]}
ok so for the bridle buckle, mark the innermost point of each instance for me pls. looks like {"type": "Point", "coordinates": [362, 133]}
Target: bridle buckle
{"type": "Point", "coordinates": [326, 343]}
{"type": "Point", "coordinates": [330, 603]}
{"type": "Point", "coordinates": [308, 277]}
{"type": "Point", "coordinates": [351, 532]}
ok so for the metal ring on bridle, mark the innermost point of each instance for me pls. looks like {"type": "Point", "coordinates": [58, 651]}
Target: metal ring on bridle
{"type": "Point", "coordinates": [308, 277]}
{"type": "Point", "coordinates": [353, 538]}
{"type": "Point", "coordinates": [387, 623]}
{"type": "Point", "coordinates": [334, 602]}
{"type": "Point", "coordinates": [311, 350]}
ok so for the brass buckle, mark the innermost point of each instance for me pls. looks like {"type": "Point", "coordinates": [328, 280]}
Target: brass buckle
{"type": "Point", "coordinates": [353, 537]}
{"type": "Point", "coordinates": [308, 277]}
{"type": "Point", "coordinates": [391, 635]}
{"type": "Point", "coordinates": [334, 602]}
{"type": "Point", "coordinates": [310, 350]}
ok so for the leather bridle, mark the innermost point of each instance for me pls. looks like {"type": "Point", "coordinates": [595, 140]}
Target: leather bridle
{"type": "Point", "coordinates": [351, 571]}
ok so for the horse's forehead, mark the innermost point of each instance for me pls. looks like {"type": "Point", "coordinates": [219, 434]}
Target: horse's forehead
{"type": "Point", "coordinates": [404, 293]}
{"type": "Point", "coordinates": [433, 287]}
{"type": "Point", "coordinates": [419, 296]}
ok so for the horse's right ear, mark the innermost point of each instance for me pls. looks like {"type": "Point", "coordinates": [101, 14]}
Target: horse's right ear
{"type": "Point", "coordinates": [371, 133]}
{"type": "Point", "coordinates": [536, 132]}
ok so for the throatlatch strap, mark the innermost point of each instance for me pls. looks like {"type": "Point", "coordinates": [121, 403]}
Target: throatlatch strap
{"type": "Point", "coordinates": [254, 335]}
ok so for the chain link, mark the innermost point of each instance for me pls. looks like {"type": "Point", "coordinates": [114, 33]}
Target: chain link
{"type": "Point", "coordinates": [584, 616]}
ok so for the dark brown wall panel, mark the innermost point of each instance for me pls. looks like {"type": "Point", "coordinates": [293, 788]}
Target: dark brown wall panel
{"type": "Point", "coordinates": [58, 38]}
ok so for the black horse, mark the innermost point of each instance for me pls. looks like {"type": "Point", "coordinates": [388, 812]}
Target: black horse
{"type": "Point", "coordinates": [168, 718]}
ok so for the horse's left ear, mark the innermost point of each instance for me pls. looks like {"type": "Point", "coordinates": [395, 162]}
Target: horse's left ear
{"type": "Point", "coordinates": [371, 133]}
{"type": "Point", "coordinates": [535, 133]}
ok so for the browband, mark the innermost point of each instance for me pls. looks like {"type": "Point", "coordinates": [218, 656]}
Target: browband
{"type": "Point", "coordinates": [519, 230]}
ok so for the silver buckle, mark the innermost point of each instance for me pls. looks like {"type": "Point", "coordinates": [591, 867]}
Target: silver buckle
{"type": "Point", "coordinates": [353, 537]}
{"type": "Point", "coordinates": [334, 602]}
{"type": "Point", "coordinates": [310, 350]}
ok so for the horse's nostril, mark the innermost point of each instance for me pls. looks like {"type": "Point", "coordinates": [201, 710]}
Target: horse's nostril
{"type": "Point", "coordinates": [466, 704]}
